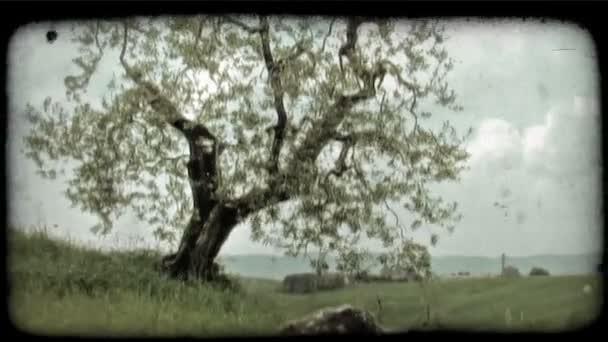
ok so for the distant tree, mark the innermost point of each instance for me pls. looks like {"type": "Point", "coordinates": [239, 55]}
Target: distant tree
{"type": "Point", "coordinates": [309, 130]}
{"type": "Point", "coordinates": [414, 260]}
{"type": "Point", "coordinates": [539, 271]}
{"type": "Point", "coordinates": [511, 271]}
{"type": "Point", "coordinates": [355, 262]}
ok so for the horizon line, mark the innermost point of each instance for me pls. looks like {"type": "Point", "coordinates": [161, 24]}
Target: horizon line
{"type": "Point", "coordinates": [436, 255]}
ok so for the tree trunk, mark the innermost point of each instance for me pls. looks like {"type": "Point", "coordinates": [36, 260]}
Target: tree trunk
{"type": "Point", "coordinates": [200, 245]}
{"type": "Point", "coordinates": [211, 221]}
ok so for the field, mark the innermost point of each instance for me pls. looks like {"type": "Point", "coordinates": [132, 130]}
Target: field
{"type": "Point", "coordinates": [58, 288]}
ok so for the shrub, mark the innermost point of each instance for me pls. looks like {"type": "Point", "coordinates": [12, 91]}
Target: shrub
{"type": "Point", "coordinates": [539, 271]}
{"type": "Point", "coordinates": [511, 271]}
{"type": "Point", "coordinates": [362, 276]}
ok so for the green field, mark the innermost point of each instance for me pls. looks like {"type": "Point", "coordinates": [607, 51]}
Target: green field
{"type": "Point", "coordinates": [57, 288]}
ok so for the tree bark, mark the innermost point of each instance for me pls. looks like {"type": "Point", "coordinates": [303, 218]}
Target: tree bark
{"type": "Point", "coordinates": [211, 221]}
{"type": "Point", "coordinates": [201, 244]}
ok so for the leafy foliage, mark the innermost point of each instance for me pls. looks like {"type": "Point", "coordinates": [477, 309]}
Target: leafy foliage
{"type": "Point", "coordinates": [353, 144]}
{"type": "Point", "coordinates": [539, 271]}
{"type": "Point", "coordinates": [412, 257]}
{"type": "Point", "coordinates": [511, 271]}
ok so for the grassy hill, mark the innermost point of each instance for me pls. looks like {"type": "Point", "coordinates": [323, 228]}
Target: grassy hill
{"type": "Point", "coordinates": [56, 287]}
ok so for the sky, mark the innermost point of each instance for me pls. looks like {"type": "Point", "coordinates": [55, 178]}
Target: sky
{"type": "Point", "coordinates": [530, 91]}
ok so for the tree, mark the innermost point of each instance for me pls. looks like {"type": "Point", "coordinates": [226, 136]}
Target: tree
{"type": "Point", "coordinates": [413, 260]}
{"type": "Point", "coordinates": [539, 271]}
{"type": "Point", "coordinates": [309, 130]}
{"type": "Point", "coordinates": [511, 271]}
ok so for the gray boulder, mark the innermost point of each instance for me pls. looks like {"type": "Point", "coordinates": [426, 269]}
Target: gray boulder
{"type": "Point", "coordinates": [331, 281]}
{"type": "Point", "coordinates": [311, 282]}
{"type": "Point", "coordinates": [300, 283]}
{"type": "Point", "coordinates": [344, 319]}
{"type": "Point", "coordinates": [400, 274]}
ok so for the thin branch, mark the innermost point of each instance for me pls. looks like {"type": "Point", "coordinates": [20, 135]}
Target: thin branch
{"type": "Point", "coordinates": [348, 48]}
{"type": "Point", "coordinates": [415, 129]}
{"type": "Point", "coordinates": [244, 26]}
{"type": "Point", "coordinates": [331, 25]}
{"type": "Point", "coordinates": [277, 89]}
{"type": "Point", "coordinates": [382, 102]}
{"type": "Point", "coordinates": [97, 37]}
{"type": "Point", "coordinates": [324, 129]}
{"type": "Point", "coordinates": [341, 167]}
{"type": "Point", "coordinates": [202, 165]}
{"type": "Point", "coordinates": [123, 50]}
{"type": "Point", "coordinates": [165, 159]}
{"type": "Point", "coordinates": [181, 74]}
{"type": "Point", "coordinates": [397, 224]}
{"type": "Point", "coordinates": [360, 174]}
{"type": "Point", "coordinates": [388, 66]}
{"type": "Point", "coordinates": [196, 43]}
{"type": "Point", "coordinates": [195, 46]}
{"type": "Point", "coordinates": [298, 51]}
{"type": "Point", "coordinates": [199, 33]}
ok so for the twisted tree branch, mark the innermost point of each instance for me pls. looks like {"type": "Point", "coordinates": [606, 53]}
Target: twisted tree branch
{"type": "Point", "coordinates": [331, 25]}
{"type": "Point", "coordinates": [277, 88]}
{"type": "Point", "coordinates": [203, 163]}
{"type": "Point", "coordinates": [341, 167]}
{"type": "Point", "coordinates": [244, 26]}
{"type": "Point", "coordinates": [348, 48]}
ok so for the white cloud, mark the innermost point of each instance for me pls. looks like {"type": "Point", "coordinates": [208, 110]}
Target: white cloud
{"type": "Point", "coordinates": [497, 143]}
{"type": "Point", "coordinates": [567, 142]}
{"type": "Point", "coordinates": [534, 139]}
{"type": "Point", "coordinates": [585, 106]}
{"type": "Point", "coordinates": [535, 144]}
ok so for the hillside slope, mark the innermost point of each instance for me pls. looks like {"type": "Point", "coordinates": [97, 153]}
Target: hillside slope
{"type": "Point", "coordinates": [60, 288]}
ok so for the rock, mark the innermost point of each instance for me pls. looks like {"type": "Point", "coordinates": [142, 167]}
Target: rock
{"type": "Point", "coordinates": [311, 282]}
{"type": "Point", "coordinates": [344, 319]}
{"type": "Point", "coordinates": [331, 281]}
{"type": "Point", "coordinates": [300, 283]}
{"type": "Point", "coordinates": [400, 274]}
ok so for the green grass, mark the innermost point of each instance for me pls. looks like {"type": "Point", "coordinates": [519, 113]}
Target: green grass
{"type": "Point", "coordinates": [58, 288]}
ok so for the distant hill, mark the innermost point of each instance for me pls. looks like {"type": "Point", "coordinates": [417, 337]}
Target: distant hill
{"type": "Point", "coordinates": [276, 267]}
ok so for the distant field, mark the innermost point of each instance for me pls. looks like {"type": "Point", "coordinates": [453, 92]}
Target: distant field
{"type": "Point", "coordinates": [277, 267]}
{"type": "Point", "coordinates": [59, 288]}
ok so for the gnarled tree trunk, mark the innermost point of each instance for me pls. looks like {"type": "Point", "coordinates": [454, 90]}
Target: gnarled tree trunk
{"type": "Point", "coordinates": [211, 221]}
{"type": "Point", "coordinates": [201, 244]}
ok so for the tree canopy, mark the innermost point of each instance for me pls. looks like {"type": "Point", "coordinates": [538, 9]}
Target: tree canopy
{"type": "Point", "coordinates": [316, 126]}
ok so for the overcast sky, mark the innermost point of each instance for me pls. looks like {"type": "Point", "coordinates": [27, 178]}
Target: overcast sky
{"type": "Point", "coordinates": [529, 90]}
